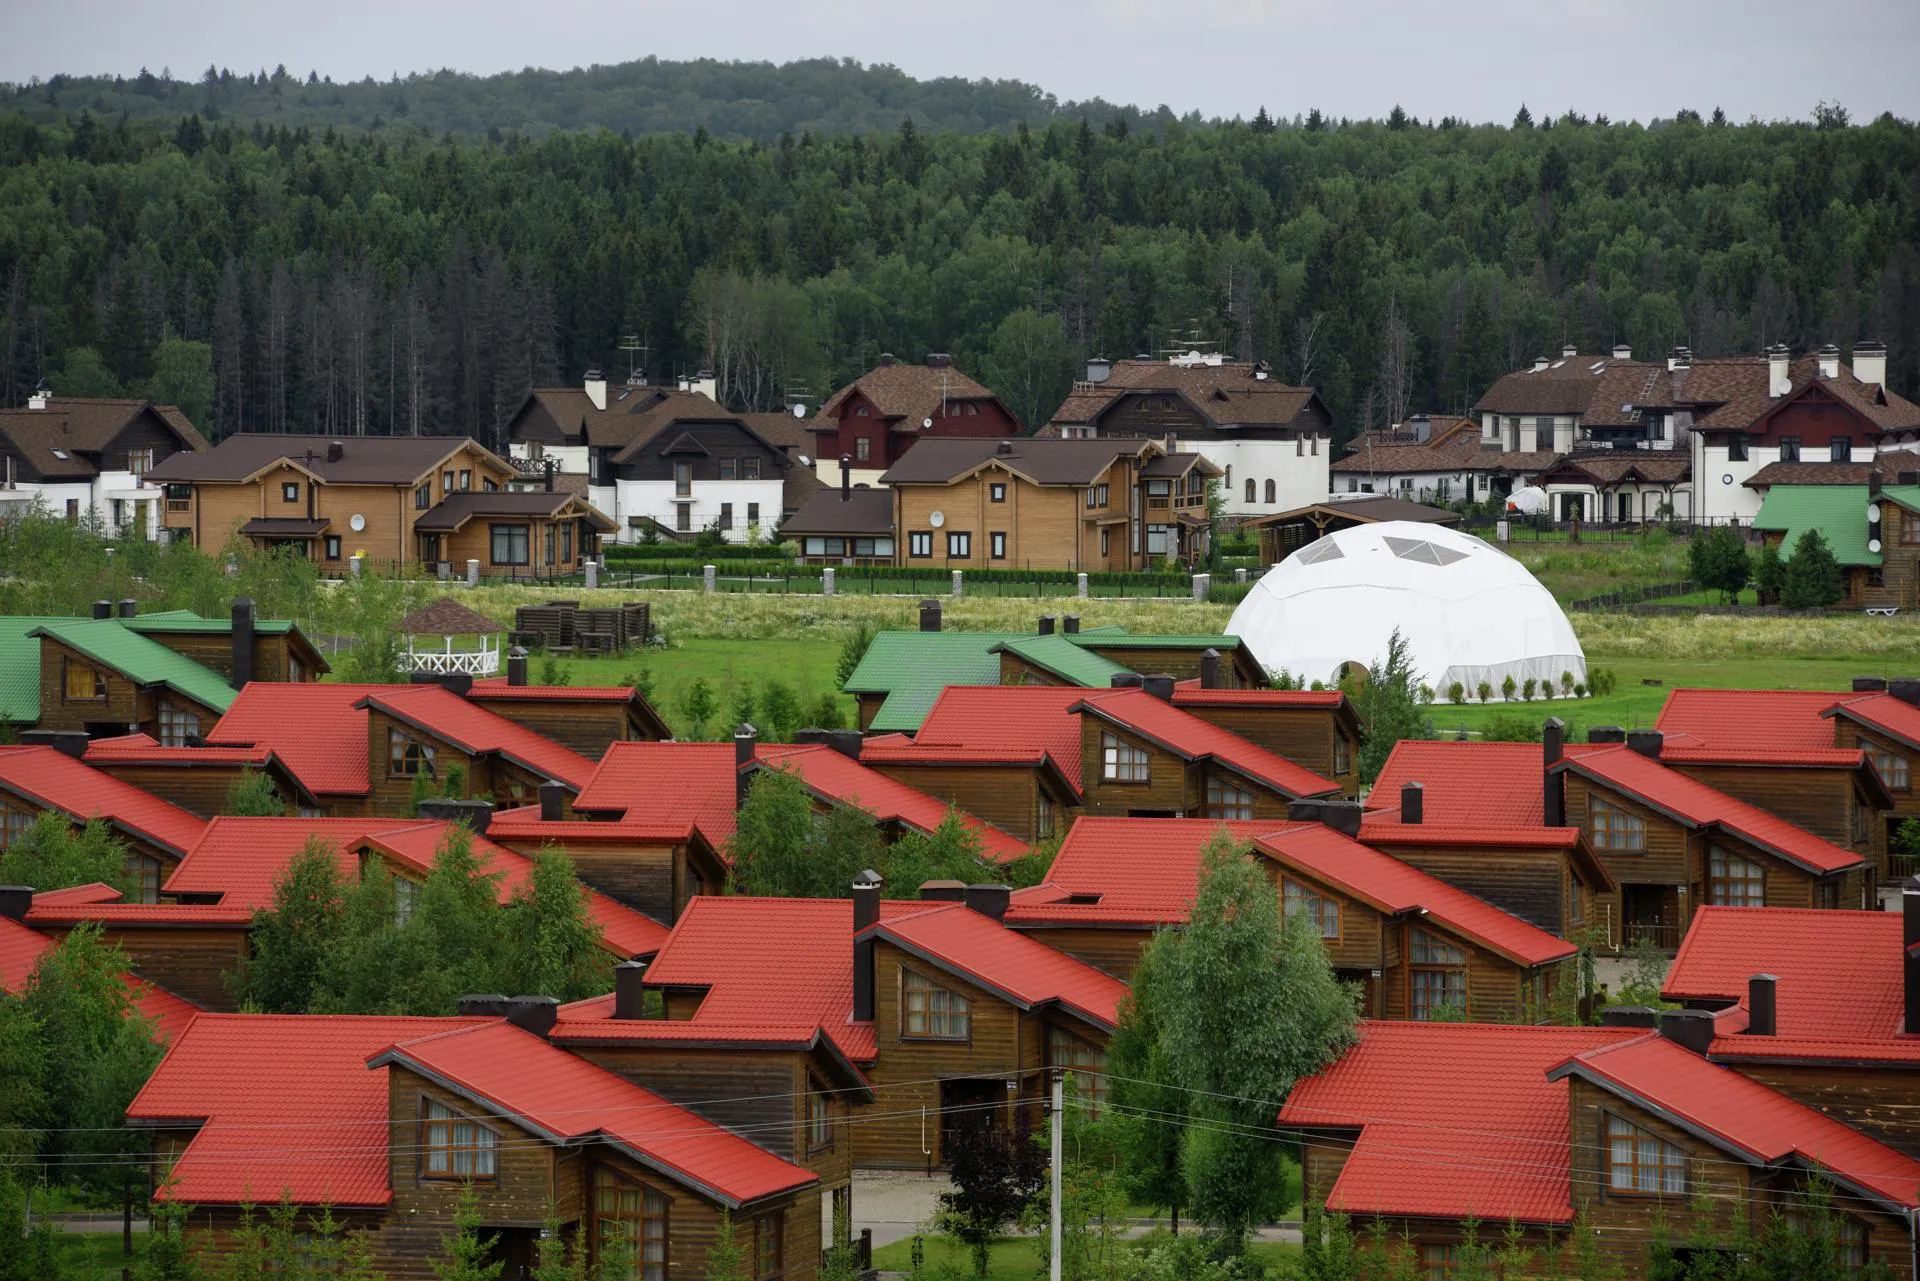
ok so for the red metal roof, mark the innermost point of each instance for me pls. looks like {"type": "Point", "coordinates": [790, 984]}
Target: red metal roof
{"type": "Point", "coordinates": [21, 949]}
{"type": "Point", "coordinates": [50, 779]}
{"type": "Point", "coordinates": [176, 915]}
{"type": "Point", "coordinates": [525, 824]}
{"type": "Point", "coordinates": [564, 1099]}
{"type": "Point", "coordinates": [1393, 886]}
{"type": "Point", "coordinates": [1700, 805]}
{"type": "Point", "coordinates": [1139, 871]}
{"type": "Point", "coordinates": [1776, 719]}
{"type": "Point", "coordinates": [1188, 693]}
{"type": "Point", "coordinates": [896, 750]}
{"type": "Point", "coordinates": [288, 1106]}
{"type": "Point", "coordinates": [1383, 832]}
{"type": "Point", "coordinates": [477, 731]}
{"type": "Point", "coordinates": [316, 728]}
{"type": "Point", "coordinates": [1454, 1120]}
{"type": "Point", "coordinates": [241, 859]}
{"type": "Point", "coordinates": [145, 749]}
{"type": "Point", "coordinates": [1741, 1115]}
{"type": "Point", "coordinates": [1685, 753]}
{"type": "Point", "coordinates": [497, 688]}
{"type": "Point", "coordinates": [1193, 738]}
{"type": "Point", "coordinates": [663, 783]}
{"type": "Point", "coordinates": [1840, 989]}
{"type": "Point", "coordinates": [1007, 962]}
{"type": "Point", "coordinates": [1473, 784]}
{"type": "Point", "coordinates": [1026, 718]}
{"type": "Point", "coordinates": [837, 777]}
{"type": "Point", "coordinates": [1885, 713]}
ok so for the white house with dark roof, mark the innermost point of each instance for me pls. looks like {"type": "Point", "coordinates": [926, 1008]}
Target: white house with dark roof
{"type": "Point", "coordinates": [88, 458]}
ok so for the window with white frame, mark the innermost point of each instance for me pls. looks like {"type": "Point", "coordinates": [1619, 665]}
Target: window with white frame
{"type": "Point", "coordinates": [1121, 761]}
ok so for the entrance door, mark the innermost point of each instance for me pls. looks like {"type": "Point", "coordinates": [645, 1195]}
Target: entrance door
{"type": "Point", "coordinates": [1573, 507]}
{"type": "Point", "coordinates": [1652, 913]}
{"type": "Point", "coordinates": [1626, 507]}
{"type": "Point", "coordinates": [969, 1106]}
{"type": "Point", "coordinates": [514, 1250]}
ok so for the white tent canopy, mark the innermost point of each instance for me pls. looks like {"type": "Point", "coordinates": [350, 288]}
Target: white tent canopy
{"type": "Point", "coordinates": [1468, 611]}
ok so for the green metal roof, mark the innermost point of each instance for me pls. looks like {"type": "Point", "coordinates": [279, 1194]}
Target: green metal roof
{"type": "Point", "coordinates": [1064, 658]}
{"type": "Point", "coordinates": [110, 643]}
{"type": "Point", "coordinates": [1104, 640]}
{"type": "Point", "coordinates": [186, 621]}
{"type": "Point", "coordinates": [911, 668]}
{"type": "Point", "coordinates": [20, 667]}
{"type": "Point", "coordinates": [1839, 512]}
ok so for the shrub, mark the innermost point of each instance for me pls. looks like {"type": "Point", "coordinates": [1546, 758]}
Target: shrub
{"type": "Point", "coordinates": [1507, 687]}
{"type": "Point", "coordinates": [1515, 728]}
{"type": "Point", "coordinates": [1528, 688]}
{"type": "Point", "coordinates": [1579, 689]}
{"type": "Point", "coordinates": [1813, 578]}
{"type": "Point", "coordinates": [1769, 574]}
{"type": "Point", "coordinates": [1566, 684]}
{"type": "Point", "coordinates": [1456, 693]}
{"type": "Point", "coordinates": [1484, 690]}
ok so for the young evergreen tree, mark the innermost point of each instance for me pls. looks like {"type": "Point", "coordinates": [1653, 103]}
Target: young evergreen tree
{"type": "Point", "coordinates": [782, 848]}
{"type": "Point", "coordinates": [1149, 1101]}
{"type": "Point", "coordinates": [27, 1252]}
{"type": "Point", "coordinates": [951, 852]}
{"type": "Point", "coordinates": [1813, 578]}
{"type": "Point", "coordinates": [552, 942]}
{"type": "Point", "coordinates": [1717, 561]}
{"type": "Point", "coordinates": [1769, 574]}
{"type": "Point", "coordinates": [1389, 706]}
{"type": "Point", "coordinates": [292, 938]}
{"type": "Point", "coordinates": [252, 795]}
{"type": "Point", "coordinates": [463, 1253]}
{"type": "Point", "coordinates": [726, 1257]}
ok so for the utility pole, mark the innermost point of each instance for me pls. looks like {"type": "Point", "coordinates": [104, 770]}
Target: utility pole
{"type": "Point", "coordinates": [1058, 1144]}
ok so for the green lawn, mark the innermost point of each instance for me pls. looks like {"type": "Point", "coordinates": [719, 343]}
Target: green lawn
{"type": "Point", "coordinates": [90, 1255]}
{"type": "Point", "coordinates": [1016, 1258]}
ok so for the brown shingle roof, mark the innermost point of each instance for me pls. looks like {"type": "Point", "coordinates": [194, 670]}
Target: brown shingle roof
{"type": "Point", "coordinates": [364, 460]}
{"type": "Point", "coordinates": [448, 617]}
{"type": "Point", "coordinates": [906, 392]}
{"type": "Point", "coordinates": [1227, 394]}
{"type": "Point", "coordinates": [40, 439]}
{"type": "Point", "coordinates": [1889, 465]}
{"type": "Point", "coordinates": [455, 510]}
{"type": "Point", "coordinates": [797, 486]}
{"type": "Point", "coordinates": [177, 419]}
{"type": "Point", "coordinates": [1613, 467]}
{"type": "Point", "coordinates": [937, 461]}
{"type": "Point", "coordinates": [865, 511]}
{"type": "Point", "coordinates": [1565, 386]}
{"type": "Point", "coordinates": [781, 430]}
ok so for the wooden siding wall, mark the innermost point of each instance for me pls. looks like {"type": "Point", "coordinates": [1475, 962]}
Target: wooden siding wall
{"type": "Point", "coordinates": [1304, 736]}
{"type": "Point", "coordinates": [187, 961]}
{"type": "Point", "coordinates": [272, 654]}
{"type": "Point", "coordinates": [647, 878]}
{"type": "Point", "coordinates": [1531, 884]}
{"type": "Point", "coordinates": [869, 707]}
{"type": "Point", "coordinates": [198, 789]}
{"type": "Point", "coordinates": [507, 783]}
{"type": "Point", "coordinates": [1817, 800]}
{"type": "Point", "coordinates": [1115, 951]}
{"type": "Point", "coordinates": [589, 728]}
{"type": "Point", "coordinates": [1881, 1101]}
{"type": "Point", "coordinates": [125, 703]}
{"type": "Point", "coordinates": [1005, 796]}
{"type": "Point", "coordinates": [1041, 522]}
{"type": "Point", "coordinates": [1906, 803]}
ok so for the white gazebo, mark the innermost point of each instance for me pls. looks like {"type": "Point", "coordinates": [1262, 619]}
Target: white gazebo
{"type": "Point", "coordinates": [446, 638]}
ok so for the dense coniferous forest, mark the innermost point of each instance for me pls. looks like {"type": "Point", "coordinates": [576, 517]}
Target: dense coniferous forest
{"type": "Point", "coordinates": [329, 279]}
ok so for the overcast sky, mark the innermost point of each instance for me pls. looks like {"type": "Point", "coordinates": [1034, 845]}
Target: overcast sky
{"type": "Point", "coordinates": [1474, 58]}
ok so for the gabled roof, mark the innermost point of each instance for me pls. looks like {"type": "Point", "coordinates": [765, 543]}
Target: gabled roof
{"type": "Point", "coordinates": [364, 460]}
{"type": "Point", "coordinates": [1566, 386]}
{"type": "Point", "coordinates": [1366, 510]}
{"type": "Point", "coordinates": [562, 1098]}
{"type": "Point", "coordinates": [1840, 991]}
{"type": "Point", "coordinates": [241, 859]}
{"type": "Point", "coordinates": [907, 391]}
{"type": "Point", "coordinates": [1883, 713]}
{"type": "Point", "coordinates": [1230, 393]}
{"type": "Point", "coordinates": [911, 669]}
{"type": "Point", "coordinates": [1062, 657]}
{"type": "Point", "coordinates": [1453, 1120]}
{"type": "Point", "coordinates": [1393, 887]}
{"type": "Point", "coordinates": [1120, 872]}
{"type": "Point", "coordinates": [51, 779]}
{"type": "Point", "coordinates": [1612, 467]}
{"type": "Point", "coordinates": [498, 690]}
{"type": "Point", "coordinates": [942, 460]}
{"type": "Point", "coordinates": [92, 422]}
{"type": "Point", "coordinates": [140, 659]}
{"type": "Point", "coordinates": [318, 729]}
{"type": "Point", "coordinates": [451, 514]}
{"type": "Point", "coordinates": [836, 777]}
{"type": "Point", "coordinates": [1695, 804]}
{"type": "Point", "coordinates": [1188, 693]}
{"type": "Point", "coordinates": [1472, 784]}
{"type": "Point", "coordinates": [288, 1106]}
{"type": "Point", "coordinates": [478, 731]}
{"type": "Point", "coordinates": [22, 947]}
{"type": "Point", "coordinates": [448, 617]}
{"type": "Point", "coordinates": [1781, 719]}
{"type": "Point", "coordinates": [665, 784]}
{"type": "Point", "coordinates": [861, 512]}
{"type": "Point", "coordinates": [1190, 738]}
{"type": "Point", "coordinates": [1744, 1118]}
{"type": "Point", "coordinates": [1021, 971]}
{"type": "Point", "coordinates": [1032, 718]}
{"type": "Point", "coordinates": [1839, 512]}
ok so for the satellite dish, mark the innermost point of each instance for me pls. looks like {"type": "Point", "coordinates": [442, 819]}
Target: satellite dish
{"type": "Point", "coordinates": [926, 423]}
{"type": "Point", "coordinates": [937, 519]}
{"type": "Point", "coordinates": [805, 461]}
{"type": "Point", "coordinates": [799, 411]}
{"type": "Point", "coordinates": [1873, 545]}
{"type": "Point", "coordinates": [1873, 513]}
{"type": "Point", "coordinates": [358, 522]}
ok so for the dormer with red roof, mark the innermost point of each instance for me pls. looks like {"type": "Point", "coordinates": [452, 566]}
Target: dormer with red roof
{"type": "Point", "coordinates": [653, 865]}
{"type": "Point", "coordinates": [1317, 729]}
{"type": "Point", "coordinates": [1883, 720]}
{"type": "Point", "coordinates": [38, 779]}
{"type": "Point", "coordinates": [386, 1122]}
{"type": "Point", "coordinates": [584, 718]}
{"type": "Point", "coordinates": [1676, 844]}
{"type": "Point", "coordinates": [1019, 788]}
{"type": "Point", "coordinates": [186, 948]}
{"type": "Point", "coordinates": [1145, 757]}
{"type": "Point", "coordinates": [197, 779]}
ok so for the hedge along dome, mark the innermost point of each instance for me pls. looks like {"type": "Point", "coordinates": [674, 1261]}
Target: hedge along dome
{"type": "Point", "coordinates": [1468, 611]}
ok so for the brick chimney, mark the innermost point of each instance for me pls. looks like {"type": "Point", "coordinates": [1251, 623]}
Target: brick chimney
{"type": "Point", "coordinates": [1779, 371]}
{"type": "Point", "coordinates": [1870, 363]}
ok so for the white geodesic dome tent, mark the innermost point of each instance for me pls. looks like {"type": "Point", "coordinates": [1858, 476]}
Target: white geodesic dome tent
{"type": "Point", "coordinates": [1468, 611]}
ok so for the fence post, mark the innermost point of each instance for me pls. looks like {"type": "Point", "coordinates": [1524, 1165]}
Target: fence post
{"type": "Point", "coordinates": [707, 576]}
{"type": "Point", "coordinates": [957, 583]}
{"type": "Point", "coordinates": [1500, 530]}
{"type": "Point", "coordinates": [473, 573]}
{"type": "Point", "coordinates": [826, 581]}
{"type": "Point", "coordinates": [1080, 585]}
{"type": "Point", "coordinates": [1201, 582]}
{"type": "Point", "coordinates": [1240, 575]}
{"type": "Point", "coordinates": [357, 563]}
{"type": "Point", "coordinates": [593, 575]}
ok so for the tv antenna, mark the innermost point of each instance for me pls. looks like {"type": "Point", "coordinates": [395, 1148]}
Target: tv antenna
{"type": "Point", "coordinates": [635, 349]}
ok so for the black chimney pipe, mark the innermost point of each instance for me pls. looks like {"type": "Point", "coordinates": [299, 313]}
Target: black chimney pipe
{"type": "Point", "coordinates": [866, 914]}
{"type": "Point", "coordinates": [630, 990]}
{"type": "Point", "coordinates": [1907, 690]}
{"type": "Point", "coordinates": [1553, 737]}
{"type": "Point", "coordinates": [929, 615]}
{"type": "Point", "coordinates": [553, 801]}
{"type": "Point", "coordinates": [103, 609]}
{"type": "Point", "coordinates": [989, 899]}
{"type": "Point", "coordinates": [15, 901]}
{"type": "Point", "coordinates": [242, 641]}
{"type": "Point", "coordinates": [744, 736]}
{"type": "Point", "coordinates": [129, 608]}
{"type": "Point", "coordinates": [489, 1005]}
{"type": "Point", "coordinates": [1647, 742]}
{"type": "Point", "coordinates": [1688, 1029]}
{"type": "Point", "coordinates": [1910, 936]}
{"type": "Point", "coordinates": [1070, 624]}
{"type": "Point", "coordinates": [1161, 687]}
{"type": "Point", "coordinates": [1413, 803]}
{"type": "Point", "coordinates": [846, 478]}
{"type": "Point", "coordinates": [1209, 669]}
{"type": "Point", "coordinates": [1762, 1011]}
{"type": "Point", "coordinates": [1046, 624]}
{"type": "Point", "coordinates": [516, 666]}
{"type": "Point", "coordinates": [1869, 684]}
{"type": "Point", "coordinates": [535, 1014]}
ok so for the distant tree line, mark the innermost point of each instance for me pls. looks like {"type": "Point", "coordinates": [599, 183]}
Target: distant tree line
{"type": "Point", "coordinates": [314, 277]}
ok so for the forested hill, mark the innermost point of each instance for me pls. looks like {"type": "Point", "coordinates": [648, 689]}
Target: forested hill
{"type": "Point", "coordinates": [728, 99]}
{"type": "Point", "coordinates": [326, 280]}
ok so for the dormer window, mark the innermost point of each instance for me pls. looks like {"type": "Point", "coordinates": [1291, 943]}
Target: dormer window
{"type": "Point", "coordinates": [1641, 1161]}
{"type": "Point", "coordinates": [407, 758]}
{"type": "Point", "coordinates": [932, 1012]}
{"type": "Point", "coordinates": [456, 1146]}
